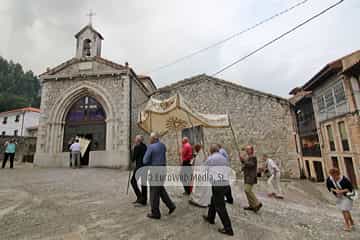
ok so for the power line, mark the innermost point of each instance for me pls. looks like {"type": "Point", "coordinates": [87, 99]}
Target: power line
{"type": "Point", "coordinates": [229, 38]}
{"type": "Point", "coordinates": [277, 38]}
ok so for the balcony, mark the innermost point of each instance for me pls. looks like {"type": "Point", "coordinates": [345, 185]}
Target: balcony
{"type": "Point", "coordinates": [307, 127]}
{"type": "Point", "coordinates": [314, 151]}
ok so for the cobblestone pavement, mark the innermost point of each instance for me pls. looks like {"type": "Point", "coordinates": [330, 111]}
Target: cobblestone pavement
{"type": "Point", "coordinates": [93, 204]}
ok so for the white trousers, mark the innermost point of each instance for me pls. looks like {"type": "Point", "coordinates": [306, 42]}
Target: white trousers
{"type": "Point", "coordinates": [274, 184]}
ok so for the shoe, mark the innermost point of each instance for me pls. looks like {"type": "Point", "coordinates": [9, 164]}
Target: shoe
{"type": "Point", "coordinates": [208, 220]}
{"type": "Point", "coordinates": [258, 207]}
{"type": "Point", "coordinates": [249, 209]}
{"type": "Point", "coordinates": [279, 197]}
{"type": "Point", "coordinates": [171, 210]}
{"type": "Point", "coordinates": [226, 232]}
{"type": "Point", "coordinates": [139, 204]}
{"type": "Point", "coordinates": [153, 216]}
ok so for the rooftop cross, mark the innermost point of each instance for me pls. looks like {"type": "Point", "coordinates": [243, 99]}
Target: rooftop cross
{"type": "Point", "coordinates": [90, 15]}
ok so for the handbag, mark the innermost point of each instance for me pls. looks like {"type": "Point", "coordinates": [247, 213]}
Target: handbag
{"type": "Point", "coordinates": [350, 195]}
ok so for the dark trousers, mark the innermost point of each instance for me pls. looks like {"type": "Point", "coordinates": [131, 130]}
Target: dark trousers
{"type": "Point", "coordinates": [141, 195]}
{"type": "Point", "coordinates": [228, 195]}
{"type": "Point", "coordinates": [157, 192]}
{"type": "Point", "coordinates": [187, 173]}
{"type": "Point", "coordinates": [217, 205]}
{"type": "Point", "coordinates": [6, 157]}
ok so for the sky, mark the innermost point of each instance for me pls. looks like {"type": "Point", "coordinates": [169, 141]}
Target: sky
{"type": "Point", "coordinates": [148, 34]}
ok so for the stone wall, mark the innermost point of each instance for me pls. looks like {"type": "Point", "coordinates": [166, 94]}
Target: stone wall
{"type": "Point", "coordinates": [25, 148]}
{"type": "Point", "coordinates": [139, 100]}
{"type": "Point", "coordinates": [260, 119]}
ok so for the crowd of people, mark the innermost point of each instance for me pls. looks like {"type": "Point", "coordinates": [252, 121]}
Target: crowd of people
{"type": "Point", "coordinates": [213, 196]}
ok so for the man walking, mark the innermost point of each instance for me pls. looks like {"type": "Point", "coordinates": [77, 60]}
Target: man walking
{"type": "Point", "coordinates": [274, 179]}
{"type": "Point", "coordinates": [219, 174]}
{"type": "Point", "coordinates": [75, 154]}
{"type": "Point", "coordinates": [228, 193]}
{"type": "Point", "coordinates": [250, 178]}
{"type": "Point", "coordinates": [10, 149]}
{"type": "Point", "coordinates": [137, 157]}
{"type": "Point", "coordinates": [186, 171]}
{"type": "Point", "coordinates": [155, 156]}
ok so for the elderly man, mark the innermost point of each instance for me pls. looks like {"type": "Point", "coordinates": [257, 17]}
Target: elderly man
{"type": "Point", "coordinates": [274, 179]}
{"type": "Point", "coordinates": [250, 178]}
{"type": "Point", "coordinates": [155, 156]}
{"type": "Point", "coordinates": [75, 154]}
{"type": "Point", "coordinates": [186, 172]}
{"type": "Point", "coordinates": [137, 157]}
{"type": "Point", "coordinates": [219, 176]}
{"type": "Point", "coordinates": [228, 193]}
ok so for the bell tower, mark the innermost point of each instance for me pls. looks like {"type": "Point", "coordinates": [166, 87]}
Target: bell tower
{"type": "Point", "coordinates": [88, 41]}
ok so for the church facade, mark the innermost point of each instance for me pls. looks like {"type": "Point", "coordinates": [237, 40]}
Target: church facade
{"type": "Point", "coordinates": [91, 97]}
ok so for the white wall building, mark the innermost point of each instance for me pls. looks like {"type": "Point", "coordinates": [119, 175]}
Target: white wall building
{"type": "Point", "coordinates": [20, 122]}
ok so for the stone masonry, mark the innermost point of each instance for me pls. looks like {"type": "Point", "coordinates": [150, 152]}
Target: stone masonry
{"type": "Point", "coordinates": [261, 119]}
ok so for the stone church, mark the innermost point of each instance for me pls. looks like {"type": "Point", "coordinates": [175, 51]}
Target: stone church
{"type": "Point", "coordinates": [95, 98]}
{"type": "Point", "coordinates": [90, 97]}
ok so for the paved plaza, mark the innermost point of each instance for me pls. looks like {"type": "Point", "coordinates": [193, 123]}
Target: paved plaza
{"type": "Point", "coordinates": [88, 203]}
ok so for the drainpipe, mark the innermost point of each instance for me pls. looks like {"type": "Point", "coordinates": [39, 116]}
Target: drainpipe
{"type": "Point", "coordinates": [130, 109]}
{"type": "Point", "coordinates": [22, 124]}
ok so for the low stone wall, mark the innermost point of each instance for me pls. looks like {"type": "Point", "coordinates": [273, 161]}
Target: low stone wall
{"type": "Point", "coordinates": [25, 148]}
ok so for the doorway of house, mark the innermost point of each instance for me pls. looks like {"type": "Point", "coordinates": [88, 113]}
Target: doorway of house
{"type": "Point", "coordinates": [350, 170]}
{"type": "Point", "coordinates": [308, 168]}
{"type": "Point", "coordinates": [319, 171]}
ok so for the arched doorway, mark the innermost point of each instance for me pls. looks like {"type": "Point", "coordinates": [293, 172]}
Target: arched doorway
{"type": "Point", "coordinates": [86, 118]}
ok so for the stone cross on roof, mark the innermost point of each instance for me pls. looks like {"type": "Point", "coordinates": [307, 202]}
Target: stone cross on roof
{"type": "Point", "coordinates": [90, 15]}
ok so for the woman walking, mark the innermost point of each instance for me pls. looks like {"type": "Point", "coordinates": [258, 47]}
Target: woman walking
{"type": "Point", "coordinates": [341, 187]}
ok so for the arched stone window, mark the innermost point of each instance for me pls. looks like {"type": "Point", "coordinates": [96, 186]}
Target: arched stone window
{"type": "Point", "coordinates": [87, 48]}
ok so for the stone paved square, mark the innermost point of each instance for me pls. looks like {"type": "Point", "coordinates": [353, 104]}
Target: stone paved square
{"type": "Point", "coordinates": [37, 203]}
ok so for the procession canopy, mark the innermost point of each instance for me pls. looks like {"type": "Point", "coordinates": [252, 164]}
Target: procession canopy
{"type": "Point", "coordinates": [175, 113]}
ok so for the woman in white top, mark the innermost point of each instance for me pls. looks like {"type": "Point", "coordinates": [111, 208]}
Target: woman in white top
{"type": "Point", "coordinates": [274, 179]}
{"type": "Point", "coordinates": [201, 191]}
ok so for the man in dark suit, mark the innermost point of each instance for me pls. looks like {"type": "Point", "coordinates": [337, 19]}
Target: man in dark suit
{"type": "Point", "coordinates": [137, 157]}
{"type": "Point", "coordinates": [250, 178]}
{"type": "Point", "coordinates": [155, 158]}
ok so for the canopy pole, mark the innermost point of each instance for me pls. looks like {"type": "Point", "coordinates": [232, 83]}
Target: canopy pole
{"type": "Point", "coordinates": [233, 133]}
{"type": "Point", "coordinates": [178, 144]}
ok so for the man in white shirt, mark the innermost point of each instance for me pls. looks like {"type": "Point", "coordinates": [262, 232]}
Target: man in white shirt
{"type": "Point", "coordinates": [75, 154]}
{"type": "Point", "coordinates": [274, 179]}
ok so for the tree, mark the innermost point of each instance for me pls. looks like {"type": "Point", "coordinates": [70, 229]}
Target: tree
{"type": "Point", "coordinates": [17, 88]}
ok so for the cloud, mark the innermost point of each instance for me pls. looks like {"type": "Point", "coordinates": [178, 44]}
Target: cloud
{"type": "Point", "coordinates": [149, 34]}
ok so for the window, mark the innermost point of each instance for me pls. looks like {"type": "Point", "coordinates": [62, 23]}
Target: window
{"type": "Point", "coordinates": [87, 48]}
{"type": "Point", "coordinates": [194, 134]}
{"type": "Point", "coordinates": [321, 103]}
{"type": "Point", "coordinates": [15, 133]}
{"type": "Point", "coordinates": [5, 120]}
{"type": "Point", "coordinates": [3, 133]}
{"type": "Point", "coordinates": [17, 118]}
{"type": "Point", "coordinates": [335, 162]}
{"type": "Point", "coordinates": [332, 101]}
{"type": "Point", "coordinates": [343, 137]}
{"type": "Point", "coordinates": [331, 138]}
{"type": "Point", "coordinates": [329, 99]}
{"type": "Point", "coordinates": [339, 93]}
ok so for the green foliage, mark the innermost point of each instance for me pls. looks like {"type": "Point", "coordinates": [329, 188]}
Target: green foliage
{"type": "Point", "coordinates": [17, 88]}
